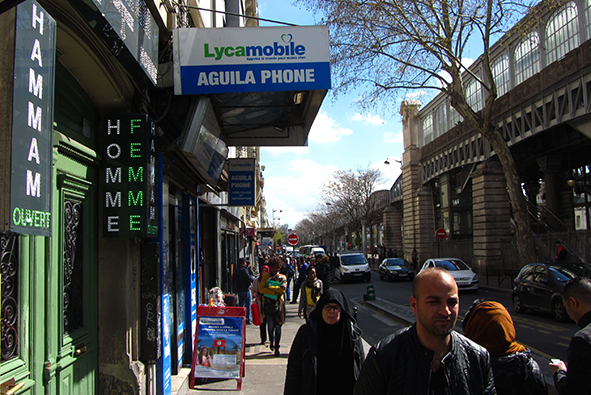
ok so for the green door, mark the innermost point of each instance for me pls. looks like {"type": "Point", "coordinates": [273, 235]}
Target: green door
{"type": "Point", "coordinates": [72, 275]}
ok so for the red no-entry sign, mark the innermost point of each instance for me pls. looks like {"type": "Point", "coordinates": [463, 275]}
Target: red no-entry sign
{"type": "Point", "coordinates": [440, 233]}
{"type": "Point", "coordinates": [292, 239]}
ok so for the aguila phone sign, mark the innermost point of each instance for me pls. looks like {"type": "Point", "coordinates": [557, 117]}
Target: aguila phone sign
{"type": "Point", "coordinates": [261, 59]}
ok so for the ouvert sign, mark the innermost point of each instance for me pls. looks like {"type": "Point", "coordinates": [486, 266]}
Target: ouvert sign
{"type": "Point", "coordinates": [257, 59]}
{"type": "Point", "coordinates": [32, 131]}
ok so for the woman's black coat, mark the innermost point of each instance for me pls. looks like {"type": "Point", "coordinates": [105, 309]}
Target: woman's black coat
{"type": "Point", "coordinates": [302, 364]}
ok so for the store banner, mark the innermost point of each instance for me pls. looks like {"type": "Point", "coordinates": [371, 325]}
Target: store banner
{"type": "Point", "coordinates": [241, 185]}
{"type": "Point", "coordinates": [251, 59]}
{"type": "Point", "coordinates": [31, 185]}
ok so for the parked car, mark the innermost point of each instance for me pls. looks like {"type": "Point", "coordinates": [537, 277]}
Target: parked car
{"type": "Point", "coordinates": [465, 278]}
{"type": "Point", "coordinates": [396, 268]}
{"type": "Point", "coordinates": [353, 266]}
{"type": "Point", "coordinates": [538, 287]}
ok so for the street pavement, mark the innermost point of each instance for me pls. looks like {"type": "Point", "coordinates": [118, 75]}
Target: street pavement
{"type": "Point", "coordinates": [265, 373]}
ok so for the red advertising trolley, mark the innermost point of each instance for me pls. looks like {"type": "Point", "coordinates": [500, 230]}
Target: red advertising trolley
{"type": "Point", "coordinates": [218, 346]}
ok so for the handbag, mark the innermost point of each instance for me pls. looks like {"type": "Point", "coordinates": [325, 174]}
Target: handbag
{"type": "Point", "coordinates": [270, 306]}
{"type": "Point", "coordinates": [255, 314]}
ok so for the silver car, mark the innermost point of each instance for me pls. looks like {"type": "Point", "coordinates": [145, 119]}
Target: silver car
{"type": "Point", "coordinates": [465, 278]}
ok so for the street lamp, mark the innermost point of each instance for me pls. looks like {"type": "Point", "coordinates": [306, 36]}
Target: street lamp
{"type": "Point", "coordinates": [273, 214]}
{"type": "Point", "coordinates": [387, 162]}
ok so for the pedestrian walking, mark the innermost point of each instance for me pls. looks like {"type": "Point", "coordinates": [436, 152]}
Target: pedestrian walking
{"type": "Point", "coordinates": [428, 357]}
{"type": "Point", "coordinates": [327, 352]}
{"type": "Point", "coordinates": [576, 297]}
{"type": "Point", "coordinates": [310, 292]}
{"type": "Point", "coordinates": [323, 270]}
{"type": "Point", "coordinates": [258, 297]}
{"type": "Point", "coordinates": [302, 270]}
{"type": "Point", "coordinates": [273, 302]}
{"type": "Point", "coordinates": [515, 371]}
{"type": "Point", "coordinates": [415, 259]}
{"type": "Point", "coordinates": [243, 279]}
{"type": "Point", "coordinates": [560, 252]}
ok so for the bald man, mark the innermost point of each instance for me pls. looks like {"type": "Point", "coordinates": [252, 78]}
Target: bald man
{"type": "Point", "coordinates": [428, 357]}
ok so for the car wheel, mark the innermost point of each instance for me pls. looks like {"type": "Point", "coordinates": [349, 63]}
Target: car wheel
{"type": "Point", "coordinates": [559, 311]}
{"type": "Point", "coordinates": [517, 305]}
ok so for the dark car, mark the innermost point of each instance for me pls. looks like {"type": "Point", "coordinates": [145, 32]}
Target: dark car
{"type": "Point", "coordinates": [538, 286]}
{"type": "Point", "coordinates": [396, 268]}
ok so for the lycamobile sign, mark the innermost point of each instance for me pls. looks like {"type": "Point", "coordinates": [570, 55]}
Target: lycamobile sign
{"type": "Point", "coordinates": [251, 59]}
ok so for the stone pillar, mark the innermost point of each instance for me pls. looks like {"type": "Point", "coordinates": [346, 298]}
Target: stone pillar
{"type": "Point", "coordinates": [392, 218]}
{"type": "Point", "coordinates": [418, 210]}
{"type": "Point", "coordinates": [553, 181]}
{"type": "Point", "coordinates": [491, 216]}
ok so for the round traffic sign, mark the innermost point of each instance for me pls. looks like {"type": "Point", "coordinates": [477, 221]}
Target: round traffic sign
{"type": "Point", "coordinates": [292, 239]}
{"type": "Point", "coordinates": [440, 233]}
{"type": "Point", "coordinates": [278, 248]}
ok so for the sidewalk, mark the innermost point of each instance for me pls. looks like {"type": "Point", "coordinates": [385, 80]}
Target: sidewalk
{"type": "Point", "coordinates": [265, 373]}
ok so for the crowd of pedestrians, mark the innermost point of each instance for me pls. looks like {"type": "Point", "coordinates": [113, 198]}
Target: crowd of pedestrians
{"type": "Point", "coordinates": [428, 357]}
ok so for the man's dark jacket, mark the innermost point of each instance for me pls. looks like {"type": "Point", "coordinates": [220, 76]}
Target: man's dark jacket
{"type": "Point", "coordinates": [576, 380]}
{"type": "Point", "coordinates": [400, 364]}
{"type": "Point", "coordinates": [243, 278]}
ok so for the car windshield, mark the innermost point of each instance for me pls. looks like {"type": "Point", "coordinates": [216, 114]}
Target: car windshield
{"type": "Point", "coordinates": [561, 274]}
{"type": "Point", "coordinates": [349, 260]}
{"type": "Point", "coordinates": [452, 264]}
{"type": "Point", "coordinates": [395, 262]}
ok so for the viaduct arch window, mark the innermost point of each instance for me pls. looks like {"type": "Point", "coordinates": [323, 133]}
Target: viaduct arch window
{"type": "Point", "coordinates": [500, 71]}
{"type": "Point", "coordinates": [474, 95]}
{"type": "Point", "coordinates": [562, 32]}
{"type": "Point", "coordinates": [527, 58]}
{"type": "Point", "coordinates": [441, 119]}
{"type": "Point", "coordinates": [427, 129]}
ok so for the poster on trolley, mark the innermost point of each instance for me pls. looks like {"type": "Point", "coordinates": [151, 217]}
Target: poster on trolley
{"type": "Point", "coordinates": [219, 344]}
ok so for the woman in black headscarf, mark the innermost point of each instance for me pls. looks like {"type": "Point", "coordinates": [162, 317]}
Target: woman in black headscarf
{"type": "Point", "coordinates": [327, 352]}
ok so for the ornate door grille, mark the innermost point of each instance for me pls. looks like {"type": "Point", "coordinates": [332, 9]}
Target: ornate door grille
{"type": "Point", "coordinates": [10, 280]}
{"type": "Point", "coordinates": [73, 266]}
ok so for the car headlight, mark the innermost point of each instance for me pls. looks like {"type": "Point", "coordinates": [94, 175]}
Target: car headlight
{"type": "Point", "coordinates": [475, 278]}
{"type": "Point", "coordinates": [345, 269]}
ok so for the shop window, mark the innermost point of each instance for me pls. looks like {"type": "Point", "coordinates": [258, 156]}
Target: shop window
{"type": "Point", "coordinates": [562, 32]}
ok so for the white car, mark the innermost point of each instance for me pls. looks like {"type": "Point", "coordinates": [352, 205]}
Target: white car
{"type": "Point", "coordinates": [353, 266]}
{"type": "Point", "coordinates": [465, 278]}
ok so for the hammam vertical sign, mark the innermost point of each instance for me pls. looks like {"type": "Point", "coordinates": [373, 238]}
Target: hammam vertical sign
{"type": "Point", "coordinates": [129, 177]}
{"type": "Point", "coordinates": [260, 59]}
{"type": "Point", "coordinates": [34, 74]}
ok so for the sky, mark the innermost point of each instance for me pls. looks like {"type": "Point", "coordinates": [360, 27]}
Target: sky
{"type": "Point", "coordinates": [342, 137]}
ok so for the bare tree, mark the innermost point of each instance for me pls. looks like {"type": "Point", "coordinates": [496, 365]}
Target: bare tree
{"type": "Point", "coordinates": [350, 195]}
{"type": "Point", "coordinates": [393, 46]}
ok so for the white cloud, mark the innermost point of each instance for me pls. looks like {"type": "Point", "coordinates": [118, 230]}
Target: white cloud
{"type": "Point", "coordinates": [298, 191]}
{"type": "Point", "coordinates": [372, 119]}
{"type": "Point", "coordinates": [326, 130]}
{"type": "Point", "coordinates": [276, 151]}
{"type": "Point", "coordinates": [391, 137]}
